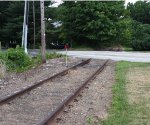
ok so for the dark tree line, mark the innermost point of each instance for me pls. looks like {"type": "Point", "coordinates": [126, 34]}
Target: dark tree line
{"type": "Point", "coordinates": [96, 24]}
{"type": "Point", "coordinates": [11, 23]}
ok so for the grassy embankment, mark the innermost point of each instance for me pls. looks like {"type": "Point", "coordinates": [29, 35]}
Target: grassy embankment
{"type": "Point", "coordinates": [131, 95]}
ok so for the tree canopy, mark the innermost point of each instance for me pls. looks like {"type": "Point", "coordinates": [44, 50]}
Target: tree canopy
{"type": "Point", "coordinates": [11, 25]}
{"type": "Point", "coordinates": [140, 11]}
{"type": "Point", "coordinates": [97, 24]}
{"type": "Point", "coordinates": [91, 22]}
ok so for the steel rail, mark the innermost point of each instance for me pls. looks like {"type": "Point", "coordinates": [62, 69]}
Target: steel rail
{"type": "Point", "coordinates": [50, 118]}
{"type": "Point", "coordinates": [20, 92]}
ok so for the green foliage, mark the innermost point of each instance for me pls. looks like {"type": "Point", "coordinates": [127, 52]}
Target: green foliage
{"type": "Point", "coordinates": [96, 24]}
{"type": "Point", "coordinates": [91, 22]}
{"type": "Point", "coordinates": [18, 57]}
{"type": "Point", "coordinates": [11, 22]}
{"type": "Point", "coordinates": [53, 55]}
{"type": "Point", "coordinates": [3, 56]}
{"type": "Point", "coordinates": [90, 120]}
{"type": "Point", "coordinates": [141, 36]}
{"type": "Point", "coordinates": [139, 11]}
{"type": "Point", "coordinates": [17, 60]}
{"type": "Point", "coordinates": [124, 34]}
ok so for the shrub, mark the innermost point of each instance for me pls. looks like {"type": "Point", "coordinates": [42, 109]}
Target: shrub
{"type": "Point", "coordinates": [141, 44]}
{"type": "Point", "coordinates": [17, 58]}
{"type": "Point", "coordinates": [3, 56]}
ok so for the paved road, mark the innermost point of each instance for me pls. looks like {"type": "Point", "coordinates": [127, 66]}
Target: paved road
{"type": "Point", "coordinates": [118, 56]}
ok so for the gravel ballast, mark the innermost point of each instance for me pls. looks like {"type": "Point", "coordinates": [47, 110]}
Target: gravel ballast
{"type": "Point", "coordinates": [92, 105]}
{"type": "Point", "coordinates": [15, 82]}
{"type": "Point", "coordinates": [32, 107]}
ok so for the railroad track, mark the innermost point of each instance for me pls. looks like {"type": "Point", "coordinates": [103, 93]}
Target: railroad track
{"type": "Point", "coordinates": [49, 119]}
{"type": "Point", "coordinates": [53, 96]}
{"type": "Point", "coordinates": [28, 88]}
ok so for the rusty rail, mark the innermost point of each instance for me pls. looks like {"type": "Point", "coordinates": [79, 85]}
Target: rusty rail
{"type": "Point", "coordinates": [7, 98]}
{"type": "Point", "coordinates": [49, 119]}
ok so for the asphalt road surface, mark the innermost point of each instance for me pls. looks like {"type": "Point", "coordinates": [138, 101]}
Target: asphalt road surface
{"type": "Point", "coordinates": [118, 56]}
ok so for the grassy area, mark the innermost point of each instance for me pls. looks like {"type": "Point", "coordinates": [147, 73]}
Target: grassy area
{"type": "Point", "coordinates": [131, 98]}
{"type": "Point", "coordinates": [127, 49]}
{"type": "Point", "coordinates": [82, 48]}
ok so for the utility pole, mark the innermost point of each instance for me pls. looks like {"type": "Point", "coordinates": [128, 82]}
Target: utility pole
{"type": "Point", "coordinates": [33, 25]}
{"type": "Point", "coordinates": [43, 47]}
{"type": "Point", "coordinates": [24, 22]}
{"type": "Point", "coordinates": [25, 26]}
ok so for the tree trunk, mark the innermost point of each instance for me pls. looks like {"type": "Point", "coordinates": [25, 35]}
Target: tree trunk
{"type": "Point", "coordinates": [43, 47]}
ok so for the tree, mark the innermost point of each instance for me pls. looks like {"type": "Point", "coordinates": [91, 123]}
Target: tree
{"type": "Point", "coordinates": [140, 11]}
{"type": "Point", "coordinates": [11, 21]}
{"type": "Point", "coordinates": [92, 23]}
{"type": "Point", "coordinates": [141, 36]}
{"type": "Point", "coordinates": [3, 17]}
{"type": "Point", "coordinates": [13, 24]}
{"type": "Point", "coordinates": [43, 46]}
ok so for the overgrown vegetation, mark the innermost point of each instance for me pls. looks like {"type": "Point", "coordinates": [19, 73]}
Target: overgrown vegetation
{"type": "Point", "coordinates": [52, 55]}
{"type": "Point", "coordinates": [17, 60]}
{"type": "Point", "coordinates": [121, 111]}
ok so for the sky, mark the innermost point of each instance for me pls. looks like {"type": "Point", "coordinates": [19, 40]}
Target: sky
{"type": "Point", "coordinates": [131, 1]}
{"type": "Point", "coordinates": [59, 2]}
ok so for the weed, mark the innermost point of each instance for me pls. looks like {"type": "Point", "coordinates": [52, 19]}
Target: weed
{"type": "Point", "coordinates": [90, 120]}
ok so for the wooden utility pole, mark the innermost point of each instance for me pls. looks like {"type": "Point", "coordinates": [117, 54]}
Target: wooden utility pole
{"type": "Point", "coordinates": [43, 47]}
{"type": "Point", "coordinates": [33, 25]}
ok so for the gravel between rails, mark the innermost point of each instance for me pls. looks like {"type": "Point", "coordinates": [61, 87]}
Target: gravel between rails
{"type": "Point", "coordinates": [16, 81]}
{"type": "Point", "coordinates": [92, 105]}
{"type": "Point", "coordinates": [32, 107]}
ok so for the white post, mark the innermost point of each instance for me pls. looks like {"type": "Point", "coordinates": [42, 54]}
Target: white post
{"type": "Point", "coordinates": [66, 58]}
{"type": "Point", "coordinates": [25, 26]}
{"type": "Point", "coordinates": [25, 41]}
{"type": "Point", "coordinates": [23, 32]}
